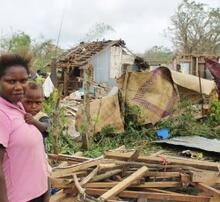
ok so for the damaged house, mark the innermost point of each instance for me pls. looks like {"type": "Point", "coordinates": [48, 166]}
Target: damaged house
{"type": "Point", "coordinates": [194, 64]}
{"type": "Point", "coordinates": [109, 60]}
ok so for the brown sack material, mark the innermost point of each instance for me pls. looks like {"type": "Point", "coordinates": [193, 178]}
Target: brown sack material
{"type": "Point", "coordinates": [153, 92]}
{"type": "Point", "coordinates": [189, 87]}
{"type": "Point", "coordinates": [103, 112]}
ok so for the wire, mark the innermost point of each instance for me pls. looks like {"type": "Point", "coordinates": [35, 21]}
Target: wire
{"type": "Point", "coordinates": [60, 29]}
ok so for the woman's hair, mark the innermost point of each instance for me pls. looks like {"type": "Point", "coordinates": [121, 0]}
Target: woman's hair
{"type": "Point", "coordinates": [9, 60]}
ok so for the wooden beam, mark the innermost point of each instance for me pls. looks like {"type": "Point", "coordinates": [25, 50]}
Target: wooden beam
{"type": "Point", "coordinates": [210, 190]}
{"type": "Point", "coordinates": [106, 175]}
{"type": "Point", "coordinates": [62, 157]}
{"type": "Point", "coordinates": [162, 174]}
{"type": "Point", "coordinates": [160, 191]}
{"type": "Point", "coordinates": [153, 196]}
{"type": "Point", "coordinates": [89, 177]}
{"type": "Point", "coordinates": [206, 165]}
{"type": "Point", "coordinates": [79, 167]}
{"type": "Point", "coordinates": [61, 183]}
{"type": "Point", "coordinates": [124, 184]}
{"type": "Point", "coordinates": [206, 177]}
{"type": "Point", "coordinates": [185, 179]}
{"type": "Point", "coordinates": [108, 166]}
{"type": "Point", "coordinates": [145, 185]}
{"type": "Point", "coordinates": [77, 185]}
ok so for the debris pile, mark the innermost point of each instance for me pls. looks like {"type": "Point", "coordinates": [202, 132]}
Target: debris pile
{"type": "Point", "coordinates": [129, 176]}
{"type": "Point", "coordinates": [71, 105]}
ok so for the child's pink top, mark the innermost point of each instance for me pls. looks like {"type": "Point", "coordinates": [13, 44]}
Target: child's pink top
{"type": "Point", "coordinates": [24, 163]}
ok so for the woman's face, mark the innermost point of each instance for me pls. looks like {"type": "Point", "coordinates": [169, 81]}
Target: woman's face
{"type": "Point", "coordinates": [13, 83]}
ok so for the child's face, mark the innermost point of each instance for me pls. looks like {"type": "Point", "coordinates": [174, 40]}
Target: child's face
{"type": "Point", "coordinates": [33, 101]}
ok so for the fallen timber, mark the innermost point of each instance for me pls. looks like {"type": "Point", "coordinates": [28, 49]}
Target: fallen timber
{"type": "Point", "coordinates": [118, 177]}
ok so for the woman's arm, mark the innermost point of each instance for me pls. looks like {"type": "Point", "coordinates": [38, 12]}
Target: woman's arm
{"type": "Point", "coordinates": [3, 193]}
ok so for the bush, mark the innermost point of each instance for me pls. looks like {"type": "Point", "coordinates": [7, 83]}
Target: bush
{"type": "Point", "coordinates": [215, 111]}
{"type": "Point", "coordinates": [65, 143]}
{"type": "Point", "coordinates": [185, 123]}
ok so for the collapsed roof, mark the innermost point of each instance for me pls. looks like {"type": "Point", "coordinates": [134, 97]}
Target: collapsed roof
{"type": "Point", "coordinates": [80, 55]}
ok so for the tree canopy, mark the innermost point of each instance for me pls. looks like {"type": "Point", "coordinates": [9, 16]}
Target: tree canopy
{"type": "Point", "coordinates": [158, 53]}
{"type": "Point", "coordinates": [195, 28]}
{"type": "Point", "coordinates": [41, 51]}
{"type": "Point", "coordinates": [98, 32]}
{"type": "Point", "coordinates": [17, 43]}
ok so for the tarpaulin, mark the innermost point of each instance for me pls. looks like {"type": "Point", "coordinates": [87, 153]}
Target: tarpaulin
{"type": "Point", "coordinates": [153, 92]}
{"type": "Point", "coordinates": [214, 68]}
{"type": "Point", "coordinates": [103, 112]}
{"type": "Point", "coordinates": [189, 86]}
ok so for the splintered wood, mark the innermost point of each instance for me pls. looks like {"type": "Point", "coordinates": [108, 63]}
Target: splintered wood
{"type": "Point", "coordinates": [119, 177]}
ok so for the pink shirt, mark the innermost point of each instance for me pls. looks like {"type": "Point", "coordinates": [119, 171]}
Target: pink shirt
{"type": "Point", "coordinates": [24, 163]}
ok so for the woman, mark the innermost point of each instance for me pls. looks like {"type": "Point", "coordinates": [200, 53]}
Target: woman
{"type": "Point", "coordinates": [23, 168]}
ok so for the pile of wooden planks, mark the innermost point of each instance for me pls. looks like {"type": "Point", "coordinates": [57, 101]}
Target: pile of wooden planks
{"type": "Point", "coordinates": [128, 176]}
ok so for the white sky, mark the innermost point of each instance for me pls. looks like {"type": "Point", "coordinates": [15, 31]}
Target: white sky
{"type": "Point", "coordinates": [141, 23]}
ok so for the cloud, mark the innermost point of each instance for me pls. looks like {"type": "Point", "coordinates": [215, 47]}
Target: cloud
{"type": "Point", "coordinates": [140, 23]}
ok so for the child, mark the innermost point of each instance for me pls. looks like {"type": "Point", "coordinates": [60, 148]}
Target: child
{"type": "Point", "coordinates": [32, 102]}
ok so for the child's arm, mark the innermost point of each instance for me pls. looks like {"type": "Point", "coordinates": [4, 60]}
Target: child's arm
{"type": "Point", "coordinates": [41, 126]}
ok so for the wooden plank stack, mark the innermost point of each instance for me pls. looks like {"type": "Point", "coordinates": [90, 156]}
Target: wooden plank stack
{"type": "Point", "coordinates": [128, 176]}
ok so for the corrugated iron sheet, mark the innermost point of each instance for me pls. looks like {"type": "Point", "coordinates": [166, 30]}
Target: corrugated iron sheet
{"type": "Point", "coordinates": [197, 142]}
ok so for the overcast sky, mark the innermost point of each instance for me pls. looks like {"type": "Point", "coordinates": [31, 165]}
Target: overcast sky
{"type": "Point", "coordinates": [141, 23]}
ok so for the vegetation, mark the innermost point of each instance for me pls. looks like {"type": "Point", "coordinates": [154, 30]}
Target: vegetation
{"type": "Point", "coordinates": [215, 111]}
{"type": "Point", "coordinates": [17, 43]}
{"type": "Point", "coordinates": [98, 32]}
{"type": "Point", "coordinates": [158, 53]}
{"type": "Point", "coordinates": [41, 51]}
{"type": "Point", "coordinates": [135, 136]}
{"type": "Point", "coordinates": [185, 123]}
{"type": "Point", "coordinates": [65, 143]}
{"type": "Point", "coordinates": [195, 28]}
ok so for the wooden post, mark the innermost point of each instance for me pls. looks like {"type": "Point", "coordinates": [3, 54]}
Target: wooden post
{"type": "Point", "coordinates": [86, 111]}
{"type": "Point", "coordinates": [124, 93]}
{"type": "Point", "coordinates": [65, 82]}
{"type": "Point", "coordinates": [197, 67]}
{"type": "Point", "coordinates": [56, 126]}
{"type": "Point", "coordinates": [200, 83]}
{"type": "Point", "coordinates": [53, 74]}
{"type": "Point", "coordinates": [191, 66]}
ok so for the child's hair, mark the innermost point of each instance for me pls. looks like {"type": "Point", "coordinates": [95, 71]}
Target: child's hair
{"type": "Point", "coordinates": [9, 60]}
{"type": "Point", "coordinates": [31, 85]}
